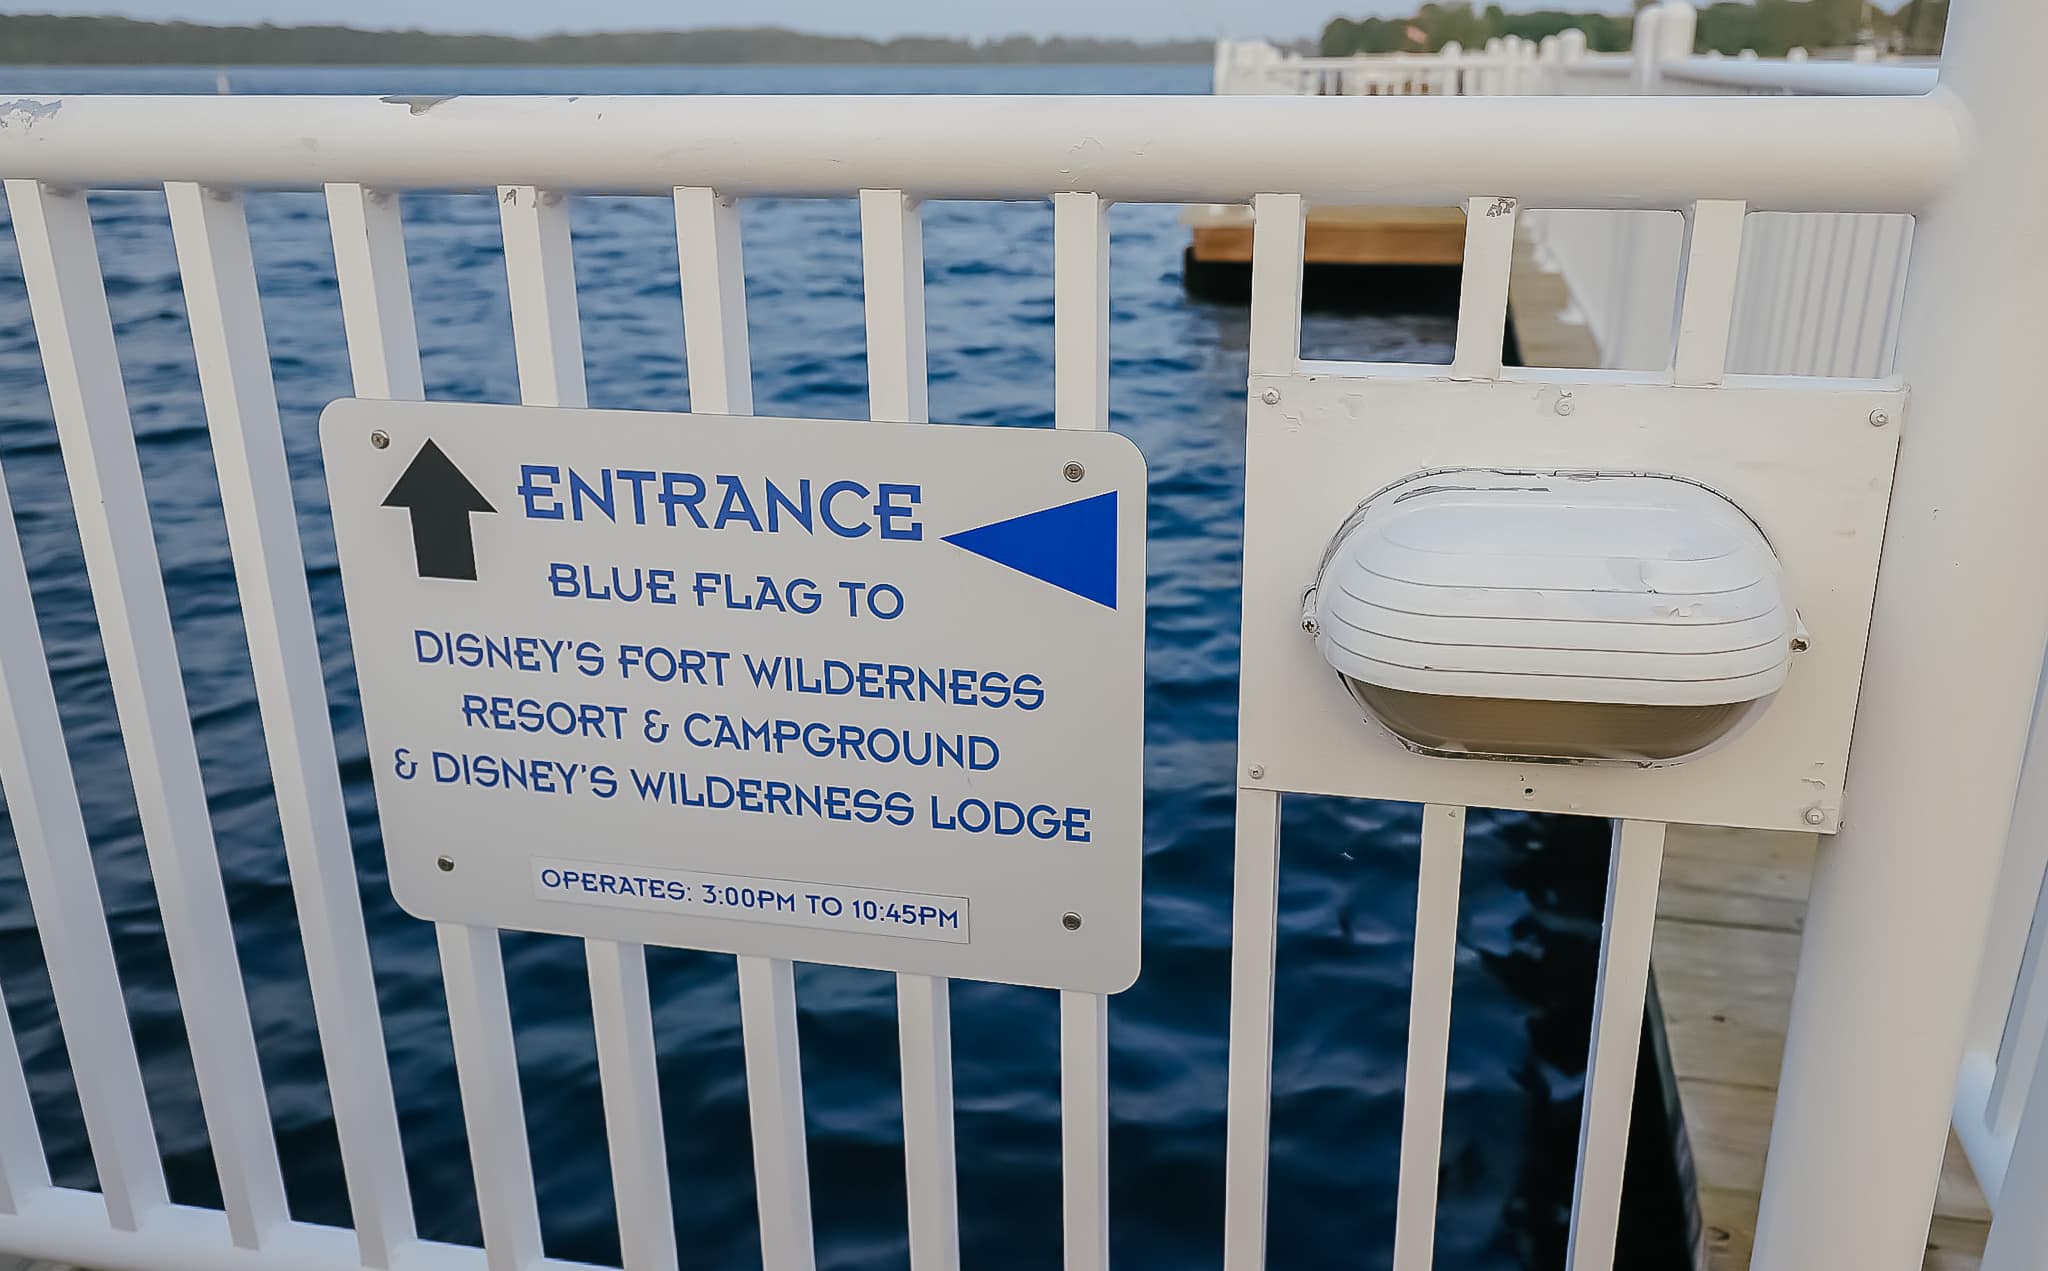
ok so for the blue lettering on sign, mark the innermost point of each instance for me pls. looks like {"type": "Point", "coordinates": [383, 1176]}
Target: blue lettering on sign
{"type": "Point", "coordinates": [721, 501]}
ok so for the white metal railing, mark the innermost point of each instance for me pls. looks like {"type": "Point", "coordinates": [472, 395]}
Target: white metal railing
{"type": "Point", "coordinates": [1865, 1098]}
{"type": "Point", "coordinates": [1817, 294]}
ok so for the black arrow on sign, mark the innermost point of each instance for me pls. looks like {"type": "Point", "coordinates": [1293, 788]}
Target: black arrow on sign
{"type": "Point", "coordinates": [440, 499]}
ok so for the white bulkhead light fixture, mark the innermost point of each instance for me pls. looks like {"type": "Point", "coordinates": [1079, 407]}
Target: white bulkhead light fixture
{"type": "Point", "coordinates": [1568, 617]}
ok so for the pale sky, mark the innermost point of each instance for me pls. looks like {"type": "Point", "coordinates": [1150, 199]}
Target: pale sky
{"type": "Point", "coordinates": [1145, 19]}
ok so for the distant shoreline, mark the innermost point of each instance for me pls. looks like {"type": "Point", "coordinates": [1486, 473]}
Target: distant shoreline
{"type": "Point", "coordinates": [50, 40]}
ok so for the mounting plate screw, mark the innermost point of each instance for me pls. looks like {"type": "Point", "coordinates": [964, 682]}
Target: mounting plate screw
{"type": "Point", "coordinates": [1310, 625]}
{"type": "Point", "coordinates": [1800, 644]}
{"type": "Point", "coordinates": [1565, 404]}
{"type": "Point", "coordinates": [1073, 471]}
{"type": "Point", "coordinates": [1271, 397]}
{"type": "Point", "coordinates": [1070, 920]}
{"type": "Point", "coordinates": [1257, 771]}
{"type": "Point", "coordinates": [1814, 816]}
{"type": "Point", "coordinates": [447, 863]}
{"type": "Point", "coordinates": [1879, 419]}
{"type": "Point", "coordinates": [380, 439]}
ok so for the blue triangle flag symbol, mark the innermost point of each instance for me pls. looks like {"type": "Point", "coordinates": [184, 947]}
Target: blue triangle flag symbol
{"type": "Point", "coordinates": [1072, 546]}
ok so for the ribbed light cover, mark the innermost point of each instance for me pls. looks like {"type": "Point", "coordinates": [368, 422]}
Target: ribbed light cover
{"type": "Point", "coordinates": [1618, 590]}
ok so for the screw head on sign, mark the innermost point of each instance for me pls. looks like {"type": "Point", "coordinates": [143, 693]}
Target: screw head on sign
{"type": "Point", "coordinates": [1565, 405]}
{"type": "Point", "coordinates": [1073, 472]}
{"type": "Point", "coordinates": [1271, 397]}
{"type": "Point", "coordinates": [1257, 771]}
{"type": "Point", "coordinates": [1070, 920]}
{"type": "Point", "coordinates": [1814, 816]}
{"type": "Point", "coordinates": [1879, 419]}
{"type": "Point", "coordinates": [380, 439]}
{"type": "Point", "coordinates": [446, 863]}
{"type": "Point", "coordinates": [1800, 644]}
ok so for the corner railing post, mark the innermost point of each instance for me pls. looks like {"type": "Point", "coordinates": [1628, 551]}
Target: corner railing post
{"type": "Point", "coordinates": [1901, 896]}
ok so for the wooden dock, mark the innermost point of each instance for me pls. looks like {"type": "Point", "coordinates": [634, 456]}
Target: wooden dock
{"type": "Point", "coordinates": [1339, 235]}
{"type": "Point", "coordinates": [1729, 919]}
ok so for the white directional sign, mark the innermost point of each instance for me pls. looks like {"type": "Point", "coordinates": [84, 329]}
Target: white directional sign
{"type": "Point", "coordinates": [855, 693]}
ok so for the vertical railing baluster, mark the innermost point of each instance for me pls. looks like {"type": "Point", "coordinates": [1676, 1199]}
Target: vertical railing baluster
{"type": "Point", "coordinates": [1440, 861]}
{"type": "Point", "coordinates": [487, 1070]}
{"type": "Point", "coordinates": [376, 307]}
{"type": "Point", "coordinates": [64, 893]}
{"type": "Point", "coordinates": [1254, 928]}
{"type": "Point", "coordinates": [24, 1171]}
{"type": "Point", "coordinates": [1278, 227]}
{"type": "Point", "coordinates": [1279, 231]}
{"type": "Point", "coordinates": [547, 341]}
{"type": "Point", "coordinates": [775, 1106]}
{"type": "Point", "coordinates": [892, 278]}
{"type": "Point", "coordinates": [622, 1011]}
{"type": "Point", "coordinates": [1080, 228]}
{"type": "Point", "coordinates": [721, 383]}
{"type": "Point", "coordinates": [714, 285]}
{"type": "Point", "coordinates": [69, 303]}
{"type": "Point", "coordinates": [1634, 865]}
{"type": "Point", "coordinates": [212, 238]}
{"type": "Point", "coordinates": [376, 293]}
{"type": "Point", "coordinates": [1483, 288]}
{"type": "Point", "coordinates": [1706, 307]}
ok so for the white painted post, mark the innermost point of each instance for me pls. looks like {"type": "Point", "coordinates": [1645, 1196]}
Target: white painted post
{"type": "Point", "coordinates": [1901, 896]}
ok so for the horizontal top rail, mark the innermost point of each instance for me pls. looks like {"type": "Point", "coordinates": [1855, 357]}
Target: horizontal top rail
{"type": "Point", "coordinates": [1820, 154]}
{"type": "Point", "coordinates": [1840, 79]}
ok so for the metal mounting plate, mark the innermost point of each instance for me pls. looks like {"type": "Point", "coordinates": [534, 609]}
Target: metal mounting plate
{"type": "Point", "coordinates": [1802, 458]}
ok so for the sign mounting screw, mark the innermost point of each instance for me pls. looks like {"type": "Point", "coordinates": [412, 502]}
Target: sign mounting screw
{"type": "Point", "coordinates": [1257, 771]}
{"type": "Point", "coordinates": [1814, 816]}
{"type": "Point", "coordinates": [1271, 397]}
{"type": "Point", "coordinates": [1565, 404]}
{"type": "Point", "coordinates": [1070, 920]}
{"type": "Point", "coordinates": [447, 864]}
{"type": "Point", "coordinates": [1073, 471]}
{"type": "Point", "coordinates": [380, 440]}
{"type": "Point", "coordinates": [1879, 419]}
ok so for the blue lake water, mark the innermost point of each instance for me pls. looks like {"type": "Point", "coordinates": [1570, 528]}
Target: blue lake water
{"type": "Point", "coordinates": [1532, 887]}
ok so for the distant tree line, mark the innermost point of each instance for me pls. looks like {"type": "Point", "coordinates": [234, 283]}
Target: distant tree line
{"type": "Point", "coordinates": [1771, 27]}
{"type": "Point", "coordinates": [44, 39]}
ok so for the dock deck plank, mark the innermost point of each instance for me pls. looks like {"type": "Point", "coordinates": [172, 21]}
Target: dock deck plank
{"type": "Point", "coordinates": [1729, 921]}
